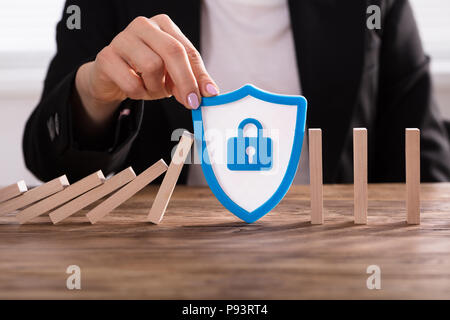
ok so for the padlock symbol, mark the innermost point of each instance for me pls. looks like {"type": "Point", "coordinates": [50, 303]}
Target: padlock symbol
{"type": "Point", "coordinates": [249, 153]}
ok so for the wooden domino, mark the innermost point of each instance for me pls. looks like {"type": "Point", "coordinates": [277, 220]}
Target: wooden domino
{"type": "Point", "coordinates": [412, 154]}
{"type": "Point", "coordinates": [13, 190]}
{"type": "Point", "coordinates": [110, 185]}
{"type": "Point", "coordinates": [315, 175]}
{"type": "Point", "coordinates": [62, 200]}
{"type": "Point", "coordinates": [127, 191]}
{"type": "Point", "coordinates": [360, 192]}
{"type": "Point", "coordinates": [62, 197]}
{"type": "Point", "coordinates": [34, 195]}
{"type": "Point", "coordinates": [170, 179]}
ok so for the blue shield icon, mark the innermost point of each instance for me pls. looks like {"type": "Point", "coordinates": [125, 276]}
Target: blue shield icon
{"type": "Point", "coordinates": [249, 143]}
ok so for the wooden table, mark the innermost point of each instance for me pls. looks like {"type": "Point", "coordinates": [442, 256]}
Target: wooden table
{"type": "Point", "coordinates": [201, 251]}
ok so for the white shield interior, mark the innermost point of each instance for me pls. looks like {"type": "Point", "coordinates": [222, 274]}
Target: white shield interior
{"type": "Point", "coordinates": [249, 189]}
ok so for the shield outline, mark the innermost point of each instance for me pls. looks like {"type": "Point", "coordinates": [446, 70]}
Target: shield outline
{"type": "Point", "coordinates": [250, 90]}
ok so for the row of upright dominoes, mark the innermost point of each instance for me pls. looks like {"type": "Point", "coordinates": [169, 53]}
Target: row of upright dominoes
{"type": "Point", "coordinates": [360, 190]}
{"type": "Point", "coordinates": [61, 200]}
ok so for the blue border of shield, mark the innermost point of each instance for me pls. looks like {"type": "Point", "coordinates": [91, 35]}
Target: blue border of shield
{"type": "Point", "coordinates": [288, 178]}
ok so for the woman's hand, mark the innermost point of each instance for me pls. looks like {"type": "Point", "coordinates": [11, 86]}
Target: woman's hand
{"type": "Point", "coordinates": [151, 59]}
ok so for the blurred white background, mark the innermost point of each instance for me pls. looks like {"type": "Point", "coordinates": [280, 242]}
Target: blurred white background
{"type": "Point", "coordinates": [27, 37]}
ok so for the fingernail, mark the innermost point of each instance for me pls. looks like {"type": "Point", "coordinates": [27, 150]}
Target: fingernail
{"type": "Point", "coordinates": [193, 100]}
{"type": "Point", "coordinates": [211, 89]}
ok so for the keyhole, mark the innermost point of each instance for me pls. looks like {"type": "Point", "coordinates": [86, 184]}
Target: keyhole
{"type": "Point", "coordinates": [250, 151]}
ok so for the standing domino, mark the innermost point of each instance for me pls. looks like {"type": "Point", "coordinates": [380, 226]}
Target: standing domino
{"type": "Point", "coordinates": [360, 175]}
{"type": "Point", "coordinates": [412, 153]}
{"type": "Point", "coordinates": [170, 179]}
{"type": "Point", "coordinates": [315, 171]}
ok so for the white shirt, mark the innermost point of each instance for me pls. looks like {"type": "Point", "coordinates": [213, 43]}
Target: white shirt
{"type": "Point", "coordinates": [250, 41]}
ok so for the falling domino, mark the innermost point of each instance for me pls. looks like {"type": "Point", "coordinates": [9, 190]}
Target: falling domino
{"type": "Point", "coordinates": [360, 175]}
{"type": "Point", "coordinates": [111, 185]}
{"type": "Point", "coordinates": [315, 171]}
{"type": "Point", "coordinates": [62, 197]}
{"type": "Point", "coordinates": [13, 190]}
{"type": "Point", "coordinates": [127, 191]}
{"type": "Point", "coordinates": [412, 153]}
{"type": "Point", "coordinates": [170, 179]}
{"type": "Point", "coordinates": [34, 195]}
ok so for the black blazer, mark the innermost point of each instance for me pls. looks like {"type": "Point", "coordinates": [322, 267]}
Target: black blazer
{"type": "Point", "coordinates": [351, 76]}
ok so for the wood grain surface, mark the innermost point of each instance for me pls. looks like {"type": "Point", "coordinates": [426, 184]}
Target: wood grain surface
{"type": "Point", "coordinates": [201, 251]}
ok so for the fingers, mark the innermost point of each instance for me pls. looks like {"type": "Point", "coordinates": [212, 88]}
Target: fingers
{"type": "Point", "coordinates": [206, 84]}
{"type": "Point", "coordinates": [175, 60]}
{"type": "Point", "coordinates": [152, 59]}
{"type": "Point", "coordinates": [145, 61]}
{"type": "Point", "coordinates": [116, 69]}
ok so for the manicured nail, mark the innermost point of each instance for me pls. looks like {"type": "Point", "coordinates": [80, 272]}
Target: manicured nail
{"type": "Point", "coordinates": [193, 100]}
{"type": "Point", "coordinates": [211, 89]}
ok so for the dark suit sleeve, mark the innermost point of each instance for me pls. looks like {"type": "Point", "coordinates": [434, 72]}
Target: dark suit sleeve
{"type": "Point", "coordinates": [50, 146]}
{"type": "Point", "coordinates": [406, 101]}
